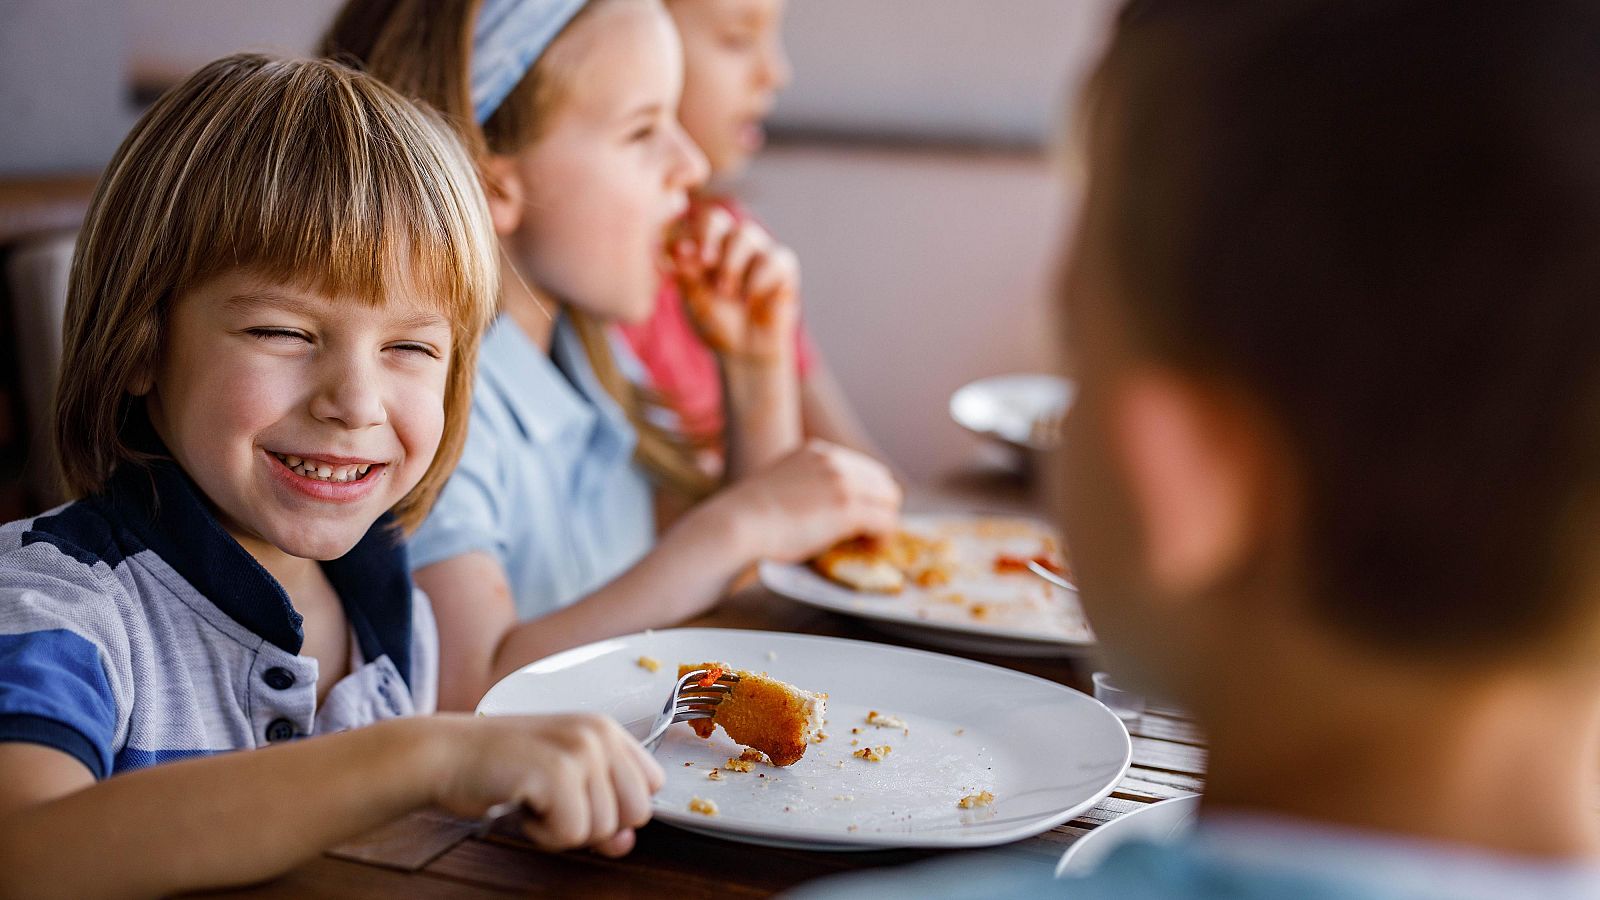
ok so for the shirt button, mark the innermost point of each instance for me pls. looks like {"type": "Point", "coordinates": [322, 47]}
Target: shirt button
{"type": "Point", "coordinates": [278, 678]}
{"type": "Point", "coordinates": [280, 730]}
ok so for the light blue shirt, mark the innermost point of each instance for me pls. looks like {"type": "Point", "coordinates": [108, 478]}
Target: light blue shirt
{"type": "Point", "coordinates": [1237, 857]}
{"type": "Point", "coordinates": [547, 483]}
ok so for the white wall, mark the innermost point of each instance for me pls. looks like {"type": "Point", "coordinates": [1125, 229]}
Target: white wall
{"type": "Point", "coordinates": [62, 94]}
{"type": "Point", "coordinates": [991, 69]}
{"type": "Point", "coordinates": [920, 272]}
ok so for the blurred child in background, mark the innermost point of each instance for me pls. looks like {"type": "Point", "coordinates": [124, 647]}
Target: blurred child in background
{"type": "Point", "coordinates": [550, 515]}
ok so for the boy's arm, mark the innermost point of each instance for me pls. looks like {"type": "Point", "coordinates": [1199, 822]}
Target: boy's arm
{"type": "Point", "coordinates": [246, 816]}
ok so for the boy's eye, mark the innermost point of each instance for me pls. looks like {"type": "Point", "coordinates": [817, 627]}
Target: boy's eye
{"type": "Point", "coordinates": [278, 335]}
{"type": "Point", "coordinates": [410, 347]}
{"type": "Point", "coordinates": [642, 133]}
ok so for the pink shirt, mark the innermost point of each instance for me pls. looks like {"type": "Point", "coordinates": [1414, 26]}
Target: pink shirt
{"type": "Point", "coordinates": [682, 368]}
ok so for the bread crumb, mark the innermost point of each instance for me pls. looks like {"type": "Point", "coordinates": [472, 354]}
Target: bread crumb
{"type": "Point", "coordinates": [873, 754]}
{"type": "Point", "coordinates": [855, 731]}
{"type": "Point", "coordinates": [960, 731]}
{"type": "Point", "coordinates": [714, 775]}
{"type": "Point", "coordinates": [739, 765]}
{"type": "Point", "coordinates": [844, 797]}
{"type": "Point", "coordinates": [854, 742]}
{"type": "Point", "coordinates": [981, 611]}
{"type": "Point", "coordinates": [702, 806]}
{"type": "Point", "coordinates": [983, 798]}
{"type": "Point", "coordinates": [853, 828]}
{"type": "Point", "coordinates": [884, 720]}
{"type": "Point", "coordinates": [820, 737]}
{"type": "Point", "coordinates": [753, 756]}
{"type": "Point", "coordinates": [649, 664]}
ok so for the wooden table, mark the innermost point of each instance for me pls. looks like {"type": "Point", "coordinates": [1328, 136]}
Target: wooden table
{"type": "Point", "coordinates": [430, 855]}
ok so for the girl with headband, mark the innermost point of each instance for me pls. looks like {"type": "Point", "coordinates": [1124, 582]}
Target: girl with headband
{"type": "Point", "coordinates": [545, 537]}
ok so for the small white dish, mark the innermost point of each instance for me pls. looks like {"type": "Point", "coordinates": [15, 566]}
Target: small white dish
{"type": "Point", "coordinates": [1045, 752]}
{"type": "Point", "coordinates": [1160, 823]}
{"type": "Point", "coordinates": [1024, 614]}
{"type": "Point", "coordinates": [1005, 407]}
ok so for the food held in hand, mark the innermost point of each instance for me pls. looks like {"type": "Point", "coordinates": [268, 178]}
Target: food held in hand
{"type": "Point", "coordinates": [763, 713]}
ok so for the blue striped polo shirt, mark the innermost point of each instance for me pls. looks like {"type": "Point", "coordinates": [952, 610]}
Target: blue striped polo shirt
{"type": "Point", "coordinates": [135, 630]}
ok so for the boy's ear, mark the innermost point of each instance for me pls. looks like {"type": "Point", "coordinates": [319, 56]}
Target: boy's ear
{"type": "Point", "coordinates": [1195, 470]}
{"type": "Point", "coordinates": [506, 191]}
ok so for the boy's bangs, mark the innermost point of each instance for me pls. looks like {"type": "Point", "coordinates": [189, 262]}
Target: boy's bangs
{"type": "Point", "coordinates": [327, 189]}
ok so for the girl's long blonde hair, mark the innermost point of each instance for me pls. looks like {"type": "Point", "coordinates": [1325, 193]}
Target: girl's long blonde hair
{"type": "Point", "coordinates": [304, 172]}
{"type": "Point", "coordinates": [423, 48]}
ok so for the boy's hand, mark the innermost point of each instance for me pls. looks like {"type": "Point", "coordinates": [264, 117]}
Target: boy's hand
{"type": "Point", "coordinates": [811, 499]}
{"type": "Point", "coordinates": [740, 285]}
{"type": "Point", "coordinates": [584, 780]}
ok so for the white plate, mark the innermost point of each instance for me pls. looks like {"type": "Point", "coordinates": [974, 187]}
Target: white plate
{"type": "Point", "coordinates": [1026, 615]}
{"type": "Point", "coordinates": [1157, 823]}
{"type": "Point", "coordinates": [1045, 751]}
{"type": "Point", "coordinates": [1006, 406]}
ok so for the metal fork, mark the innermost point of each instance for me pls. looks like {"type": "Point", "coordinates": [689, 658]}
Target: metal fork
{"type": "Point", "coordinates": [689, 700]}
{"type": "Point", "coordinates": [1051, 577]}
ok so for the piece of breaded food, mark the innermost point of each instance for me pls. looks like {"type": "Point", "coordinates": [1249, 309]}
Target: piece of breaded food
{"type": "Point", "coordinates": [764, 713]}
{"type": "Point", "coordinates": [863, 563]}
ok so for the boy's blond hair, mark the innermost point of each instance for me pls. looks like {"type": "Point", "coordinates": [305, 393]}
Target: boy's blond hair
{"type": "Point", "coordinates": [300, 171]}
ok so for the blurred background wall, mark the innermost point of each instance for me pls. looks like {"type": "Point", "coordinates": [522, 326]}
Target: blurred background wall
{"type": "Point", "coordinates": [912, 165]}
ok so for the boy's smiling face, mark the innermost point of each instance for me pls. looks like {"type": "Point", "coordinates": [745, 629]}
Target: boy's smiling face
{"type": "Point", "coordinates": [302, 417]}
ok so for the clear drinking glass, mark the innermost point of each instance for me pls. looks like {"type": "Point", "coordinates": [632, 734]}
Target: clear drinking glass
{"type": "Point", "coordinates": [1127, 705]}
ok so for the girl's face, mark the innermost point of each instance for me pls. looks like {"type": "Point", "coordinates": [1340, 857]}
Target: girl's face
{"type": "Point", "coordinates": [734, 66]}
{"type": "Point", "coordinates": [303, 418]}
{"type": "Point", "coordinates": [613, 168]}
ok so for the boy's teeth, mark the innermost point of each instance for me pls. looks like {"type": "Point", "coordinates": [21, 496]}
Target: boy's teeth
{"type": "Point", "coordinates": [322, 471]}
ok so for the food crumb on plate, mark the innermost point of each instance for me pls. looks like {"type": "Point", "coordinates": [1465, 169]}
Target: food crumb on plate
{"type": "Point", "coordinates": [702, 806]}
{"type": "Point", "coordinates": [735, 764]}
{"type": "Point", "coordinates": [819, 737]}
{"type": "Point", "coordinates": [844, 797]}
{"type": "Point", "coordinates": [884, 720]}
{"type": "Point", "coordinates": [714, 775]}
{"type": "Point", "coordinates": [649, 663]}
{"type": "Point", "coordinates": [873, 754]}
{"type": "Point", "coordinates": [853, 828]}
{"type": "Point", "coordinates": [959, 731]}
{"type": "Point", "coordinates": [982, 798]}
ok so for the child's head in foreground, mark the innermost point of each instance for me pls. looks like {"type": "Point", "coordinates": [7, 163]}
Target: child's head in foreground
{"type": "Point", "coordinates": [1334, 308]}
{"type": "Point", "coordinates": [283, 277]}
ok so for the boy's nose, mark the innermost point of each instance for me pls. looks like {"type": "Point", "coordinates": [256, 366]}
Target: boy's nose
{"type": "Point", "coordinates": [349, 396]}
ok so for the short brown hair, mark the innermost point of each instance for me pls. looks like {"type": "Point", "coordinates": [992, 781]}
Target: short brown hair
{"type": "Point", "coordinates": [1382, 218]}
{"type": "Point", "coordinates": [301, 171]}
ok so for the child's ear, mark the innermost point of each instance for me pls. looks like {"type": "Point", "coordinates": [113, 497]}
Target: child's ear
{"type": "Point", "coordinates": [1195, 470]}
{"type": "Point", "coordinates": [506, 191]}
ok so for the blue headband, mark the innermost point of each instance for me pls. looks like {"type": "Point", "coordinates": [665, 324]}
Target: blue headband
{"type": "Point", "coordinates": [508, 38]}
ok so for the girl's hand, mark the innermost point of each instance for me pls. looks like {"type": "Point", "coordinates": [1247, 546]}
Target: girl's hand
{"type": "Point", "coordinates": [585, 782]}
{"type": "Point", "coordinates": [811, 499]}
{"type": "Point", "coordinates": [740, 285]}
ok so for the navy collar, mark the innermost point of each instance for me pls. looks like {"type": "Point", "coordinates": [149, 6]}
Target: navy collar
{"type": "Point", "coordinates": [167, 511]}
